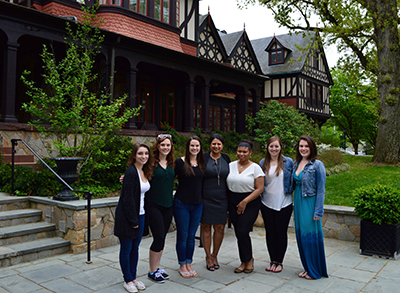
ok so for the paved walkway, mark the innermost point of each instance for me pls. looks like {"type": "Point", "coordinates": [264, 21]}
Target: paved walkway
{"type": "Point", "coordinates": [348, 271]}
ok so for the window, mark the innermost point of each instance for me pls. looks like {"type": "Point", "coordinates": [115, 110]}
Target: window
{"type": "Point", "coordinates": [276, 56]}
{"type": "Point", "coordinates": [227, 119]}
{"type": "Point", "coordinates": [110, 2]}
{"type": "Point", "coordinates": [308, 93]}
{"type": "Point", "coordinates": [314, 94]}
{"type": "Point", "coordinates": [197, 115]}
{"type": "Point", "coordinates": [146, 99]}
{"type": "Point", "coordinates": [215, 118]}
{"type": "Point", "coordinates": [315, 60]}
{"type": "Point", "coordinates": [167, 107]}
{"type": "Point", "coordinates": [320, 98]}
{"type": "Point", "coordinates": [138, 6]}
{"type": "Point", "coordinates": [161, 10]}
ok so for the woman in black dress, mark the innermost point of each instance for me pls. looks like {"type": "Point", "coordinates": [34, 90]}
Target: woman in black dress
{"type": "Point", "coordinates": [215, 200]}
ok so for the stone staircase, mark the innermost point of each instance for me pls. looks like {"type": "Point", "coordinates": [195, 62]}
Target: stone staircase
{"type": "Point", "coordinates": [19, 159]}
{"type": "Point", "coordinates": [23, 235]}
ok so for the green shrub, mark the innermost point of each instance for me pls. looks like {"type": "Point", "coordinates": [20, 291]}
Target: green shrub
{"type": "Point", "coordinates": [337, 169]}
{"type": "Point", "coordinates": [378, 203]}
{"type": "Point", "coordinates": [28, 181]}
{"type": "Point", "coordinates": [330, 157]}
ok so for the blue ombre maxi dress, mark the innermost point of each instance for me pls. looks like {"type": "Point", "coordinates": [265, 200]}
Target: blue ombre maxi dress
{"type": "Point", "coordinates": [310, 240]}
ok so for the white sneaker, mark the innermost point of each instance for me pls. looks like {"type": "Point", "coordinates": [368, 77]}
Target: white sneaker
{"type": "Point", "coordinates": [139, 285]}
{"type": "Point", "coordinates": [130, 288]}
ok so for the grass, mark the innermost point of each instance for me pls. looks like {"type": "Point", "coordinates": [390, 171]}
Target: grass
{"type": "Point", "coordinates": [339, 187]}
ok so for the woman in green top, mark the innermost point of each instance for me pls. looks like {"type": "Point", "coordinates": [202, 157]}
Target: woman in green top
{"type": "Point", "coordinates": [160, 200]}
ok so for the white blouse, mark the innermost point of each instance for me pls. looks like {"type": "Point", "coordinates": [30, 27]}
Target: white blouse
{"type": "Point", "coordinates": [144, 187]}
{"type": "Point", "coordinates": [274, 191]}
{"type": "Point", "coordinates": [243, 182]}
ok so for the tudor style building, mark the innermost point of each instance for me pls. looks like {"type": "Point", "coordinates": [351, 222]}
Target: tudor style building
{"type": "Point", "coordinates": [168, 59]}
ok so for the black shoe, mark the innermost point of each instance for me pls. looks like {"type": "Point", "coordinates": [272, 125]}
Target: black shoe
{"type": "Point", "coordinates": [163, 273]}
{"type": "Point", "coordinates": [156, 277]}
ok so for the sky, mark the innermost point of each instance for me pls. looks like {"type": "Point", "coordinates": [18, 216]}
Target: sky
{"type": "Point", "coordinates": [257, 20]}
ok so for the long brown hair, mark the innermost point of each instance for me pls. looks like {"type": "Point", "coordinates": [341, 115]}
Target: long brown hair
{"type": "Point", "coordinates": [267, 161]}
{"type": "Point", "coordinates": [156, 152]}
{"type": "Point", "coordinates": [148, 167]}
{"type": "Point", "coordinates": [311, 145]}
{"type": "Point", "coordinates": [187, 168]}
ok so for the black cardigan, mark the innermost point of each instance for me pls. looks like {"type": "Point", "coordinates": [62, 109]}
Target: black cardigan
{"type": "Point", "coordinates": [128, 208]}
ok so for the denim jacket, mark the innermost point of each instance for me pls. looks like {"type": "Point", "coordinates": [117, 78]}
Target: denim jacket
{"type": "Point", "coordinates": [287, 174]}
{"type": "Point", "coordinates": [313, 184]}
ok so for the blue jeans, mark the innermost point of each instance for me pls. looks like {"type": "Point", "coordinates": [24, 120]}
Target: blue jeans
{"type": "Point", "coordinates": [129, 254]}
{"type": "Point", "coordinates": [187, 220]}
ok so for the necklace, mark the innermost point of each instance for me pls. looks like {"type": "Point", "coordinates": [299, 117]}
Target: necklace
{"type": "Point", "coordinates": [218, 169]}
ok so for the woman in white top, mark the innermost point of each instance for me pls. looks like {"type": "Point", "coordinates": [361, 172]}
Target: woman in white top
{"type": "Point", "coordinates": [130, 214]}
{"type": "Point", "coordinates": [277, 201]}
{"type": "Point", "coordinates": [245, 182]}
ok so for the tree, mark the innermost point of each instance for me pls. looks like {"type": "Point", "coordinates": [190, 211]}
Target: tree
{"type": "Point", "coordinates": [354, 107]}
{"type": "Point", "coordinates": [67, 107]}
{"type": "Point", "coordinates": [276, 118]}
{"type": "Point", "coordinates": [367, 31]}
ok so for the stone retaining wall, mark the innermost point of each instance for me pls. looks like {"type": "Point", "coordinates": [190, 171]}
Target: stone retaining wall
{"type": "Point", "coordinates": [71, 218]}
{"type": "Point", "coordinates": [71, 221]}
{"type": "Point", "coordinates": [338, 222]}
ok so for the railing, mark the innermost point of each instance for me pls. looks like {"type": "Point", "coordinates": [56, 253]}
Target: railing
{"type": "Point", "coordinates": [87, 194]}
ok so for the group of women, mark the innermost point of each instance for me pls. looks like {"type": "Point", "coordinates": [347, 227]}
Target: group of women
{"type": "Point", "coordinates": [211, 187]}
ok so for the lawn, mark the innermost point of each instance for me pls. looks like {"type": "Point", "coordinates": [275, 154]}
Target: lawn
{"type": "Point", "coordinates": [339, 187]}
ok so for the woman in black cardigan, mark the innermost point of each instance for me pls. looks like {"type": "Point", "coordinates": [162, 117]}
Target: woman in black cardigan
{"type": "Point", "coordinates": [129, 214]}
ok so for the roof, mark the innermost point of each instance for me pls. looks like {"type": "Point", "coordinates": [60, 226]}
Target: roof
{"type": "Point", "coordinates": [230, 40]}
{"type": "Point", "coordinates": [289, 41]}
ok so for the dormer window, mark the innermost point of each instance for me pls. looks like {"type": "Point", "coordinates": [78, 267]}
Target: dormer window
{"type": "Point", "coordinates": [276, 56]}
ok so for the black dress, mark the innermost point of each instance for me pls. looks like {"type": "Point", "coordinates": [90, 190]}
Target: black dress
{"type": "Point", "coordinates": [215, 200]}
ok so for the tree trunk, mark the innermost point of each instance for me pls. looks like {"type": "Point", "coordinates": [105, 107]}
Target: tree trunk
{"type": "Point", "coordinates": [387, 147]}
{"type": "Point", "coordinates": [355, 147]}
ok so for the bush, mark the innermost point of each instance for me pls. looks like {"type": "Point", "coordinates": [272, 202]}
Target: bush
{"type": "Point", "coordinates": [330, 157]}
{"type": "Point", "coordinates": [28, 181]}
{"type": "Point", "coordinates": [378, 203]}
{"type": "Point", "coordinates": [337, 169]}
{"type": "Point", "coordinates": [275, 118]}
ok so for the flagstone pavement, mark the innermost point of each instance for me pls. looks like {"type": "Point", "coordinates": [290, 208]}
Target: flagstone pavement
{"type": "Point", "coordinates": [348, 271]}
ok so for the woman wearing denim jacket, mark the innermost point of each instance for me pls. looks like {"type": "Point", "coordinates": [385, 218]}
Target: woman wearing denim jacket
{"type": "Point", "coordinates": [277, 201]}
{"type": "Point", "coordinates": [309, 179]}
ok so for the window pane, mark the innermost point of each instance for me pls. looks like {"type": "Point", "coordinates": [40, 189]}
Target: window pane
{"type": "Point", "coordinates": [157, 9]}
{"type": "Point", "coordinates": [133, 5]}
{"type": "Point", "coordinates": [279, 56]}
{"type": "Point", "coordinates": [142, 6]}
{"type": "Point", "coordinates": [273, 57]}
{"type": "Point", "coordinates": [166, 11]}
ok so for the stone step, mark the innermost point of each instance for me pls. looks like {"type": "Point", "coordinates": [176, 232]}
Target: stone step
{"type": "Point", "coordinates": [18, 217]}
{"type": "Point", "coordinates": [11, 203]}
{"type": "Point", "coordinates": [26, 232]}
{"type": "Point", "coordinates": [32, 250]}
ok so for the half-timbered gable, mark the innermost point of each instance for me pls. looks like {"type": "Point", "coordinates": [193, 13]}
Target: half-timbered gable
{"type": "Point", "coordinates": [210, 44]}
{"type": "Point", "coordinates": [298, 76]}
{"type": "Point", "coordinates": [240, 52]}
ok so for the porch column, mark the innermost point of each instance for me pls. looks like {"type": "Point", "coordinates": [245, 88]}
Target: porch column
{"type": "Point", "coordinates": [205, 101]}
{"type": "Point", "coordinates": [132, 99]}
{"type": "Point", "coordinates": [242, 109]}
{"type": "Point", "coordinates": [9, 83]}
{"type": "Point", "coordinates": [189, 104]}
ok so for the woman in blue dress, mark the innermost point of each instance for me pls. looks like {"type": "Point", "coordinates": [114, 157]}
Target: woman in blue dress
{"type": "Point", "coordinates": [309, 178]}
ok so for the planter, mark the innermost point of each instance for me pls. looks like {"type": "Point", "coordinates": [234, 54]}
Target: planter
{"type": "Point", "coordinates": [382, 240]}
{"type": "Point", "coordinates": [66, 168]}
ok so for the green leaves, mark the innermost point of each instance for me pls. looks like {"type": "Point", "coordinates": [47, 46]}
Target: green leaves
{"type": "Point", "coordinates": [276, 118]}
{"type": "Point", "coordinates": [378, 203]}
{"type": "Point", "coordinates": [68, 109]}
